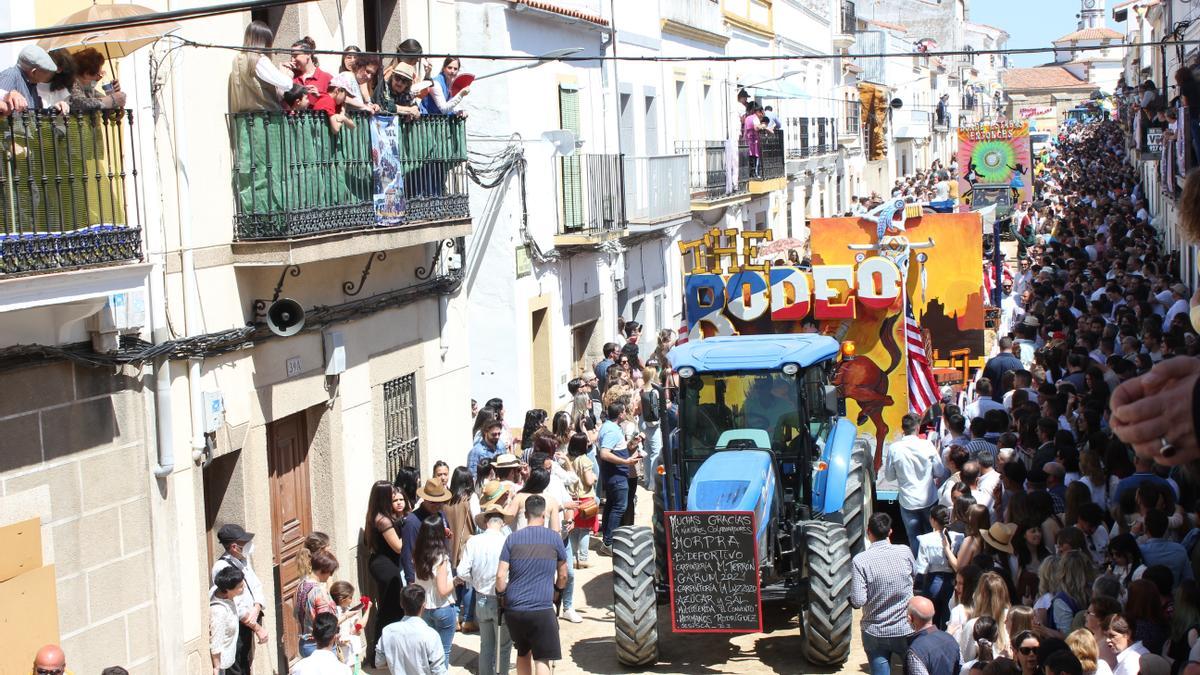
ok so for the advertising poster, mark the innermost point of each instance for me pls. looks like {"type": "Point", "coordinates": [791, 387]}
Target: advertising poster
{"type": "Point", "coordinates": [387, 178]}
{"type": "Point", "coordinates": [996, 154]}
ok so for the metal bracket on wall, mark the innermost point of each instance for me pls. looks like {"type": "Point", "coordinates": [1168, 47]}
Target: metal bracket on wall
{"type": "Point", "coordinates": [260, 305]}
{"type": "Point", "coordinates": [348, 286]}
{"type": "Point", "coordinates": [423, 273]}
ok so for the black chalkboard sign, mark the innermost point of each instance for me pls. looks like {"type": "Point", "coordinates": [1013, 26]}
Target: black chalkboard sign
{"type": "Point", "coordinates": [712, 567]}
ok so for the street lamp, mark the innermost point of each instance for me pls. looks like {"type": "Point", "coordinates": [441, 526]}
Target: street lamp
{"type": "Point", "coordinates": [541, 59]}
{"type": "Point", "coordinates": [784, 75]}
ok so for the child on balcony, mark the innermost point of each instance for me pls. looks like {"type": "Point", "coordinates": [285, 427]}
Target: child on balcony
{"type": "Point", "coordinates": [342, 88]}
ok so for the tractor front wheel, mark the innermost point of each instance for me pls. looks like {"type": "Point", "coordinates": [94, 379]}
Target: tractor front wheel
{"type": "Point", "coordinates": [635, 608]}
{"type": "Point", "coordinates": [827, 614]}
{"type": "Point", "coordinates": [858, 505]}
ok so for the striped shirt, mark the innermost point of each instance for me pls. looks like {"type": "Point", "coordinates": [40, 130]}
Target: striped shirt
{"type": "Point", "coordinates": [532, 554]}
{"type": "Point", "coordinates": [882, 584]}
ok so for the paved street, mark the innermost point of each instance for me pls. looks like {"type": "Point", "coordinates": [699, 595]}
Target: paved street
{"type": "Point", "coordinates": [588, 646]}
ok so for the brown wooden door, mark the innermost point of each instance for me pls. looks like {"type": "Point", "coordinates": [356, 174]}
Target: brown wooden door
{"type": "Point", "coordinates": [291, 516]}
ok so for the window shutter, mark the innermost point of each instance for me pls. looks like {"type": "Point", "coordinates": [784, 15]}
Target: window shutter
{"type": "Point", "coordinates": [570, 167]}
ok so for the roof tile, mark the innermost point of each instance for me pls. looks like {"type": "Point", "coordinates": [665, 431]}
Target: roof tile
{"type": "Point", "coordinates": [1043, 77]}
{"type": "Point", "coordinates": [565, 11]}
{"type": "Point", "coordinates": [1090, 34]}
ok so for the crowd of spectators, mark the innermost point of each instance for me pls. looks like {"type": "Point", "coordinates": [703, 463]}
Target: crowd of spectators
{"type": "Point", "coordinates": [58, 81]}
{"type": "Point", "coordinates": [1061, 511]}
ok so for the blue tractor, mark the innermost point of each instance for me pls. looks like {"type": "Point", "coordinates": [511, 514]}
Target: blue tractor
{"type": "Point", "coordinates": [762, 429]}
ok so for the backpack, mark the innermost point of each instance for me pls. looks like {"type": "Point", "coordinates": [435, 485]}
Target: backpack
{"type": "Point", "coordinates": [650, 406]}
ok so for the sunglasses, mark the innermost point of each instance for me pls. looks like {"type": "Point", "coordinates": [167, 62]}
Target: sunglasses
{"type": "Point", "coordinates": [49, 671]}
{"type": "Point", "coordinates": [1028, 651]}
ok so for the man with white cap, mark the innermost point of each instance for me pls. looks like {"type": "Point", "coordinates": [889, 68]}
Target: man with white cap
{"type": "Point", "coordinates": [1178, 293]}
{"type": "Point", "coordinates": [19, 82]}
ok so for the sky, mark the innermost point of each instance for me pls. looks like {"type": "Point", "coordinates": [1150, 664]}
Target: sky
{"type": "Point", "coordinates": [1033, 23]}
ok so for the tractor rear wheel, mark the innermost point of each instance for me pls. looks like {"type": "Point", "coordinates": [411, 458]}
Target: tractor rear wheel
{"type": "Point", "coordinates": [635, 608]}
{"type": "Point", "coordinates": [858, 505]}
{"type": "Point", "coordinates": [827, 613]}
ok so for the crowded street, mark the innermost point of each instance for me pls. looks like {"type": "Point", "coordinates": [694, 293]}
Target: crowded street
{"type": "Point", "coordinates": [815, 336]}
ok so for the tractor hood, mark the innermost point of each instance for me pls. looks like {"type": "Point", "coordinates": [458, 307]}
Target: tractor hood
{"type": "Point", "coordinates": [737, 480]}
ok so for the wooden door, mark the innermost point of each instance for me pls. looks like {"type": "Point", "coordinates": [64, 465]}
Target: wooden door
{"type": "Point", "coordinates": [291, 517]}
{"type": "Point", "coordinates": [542, 357]}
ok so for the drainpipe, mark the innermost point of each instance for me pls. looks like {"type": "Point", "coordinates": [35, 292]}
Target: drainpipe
{"type": "Point", "coordinates": [159, 331]}
{"type": "Point", "coordinates": [191, 294]}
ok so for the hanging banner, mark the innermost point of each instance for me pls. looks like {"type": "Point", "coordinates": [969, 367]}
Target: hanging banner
{"type": "Point", "coordinates": [1035, 111]}
{"type": "Point", "coordinates": [996, 154]}
{"type": "Point", "coordinates": [387, 178]}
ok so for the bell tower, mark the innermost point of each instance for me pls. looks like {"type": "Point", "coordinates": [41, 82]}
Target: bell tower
{"type": "Point", "coordinates": [1091, 14]}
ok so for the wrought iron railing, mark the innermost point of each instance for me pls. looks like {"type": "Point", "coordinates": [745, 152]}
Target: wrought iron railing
{"type": "Point", "coordinates": [849, 17]}
{"type": "Point", "coordinates": [656, 188]}
{"type": "Point", "coordinates": [66, 191]}
{"type": "Point", "coordinates": [713, 171]}
{"type": "Point", "coordinates": [593, 194]}
{"type": "Point", "coordinates": [768, 163]}
{"type": "Point", "coordinates": [293, 177]}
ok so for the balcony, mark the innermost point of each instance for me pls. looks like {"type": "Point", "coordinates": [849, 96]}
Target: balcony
{"type": "Point", "coordinates": [66, 192]}
{"type": "Point", "coordinates": [695, 19]}
{"type": "Point", "coordinates": [656, 191]}
{"type": "Point", "coordinates": [847, 26]}
{"type": "Point", "coordinates": [713, 177]}
{"type": "Point", "coordinates": [294, 179]}
{"type": "Point", "coordinates": [593, 199]}
{"type": "Point", "coordinates": [765, 170]}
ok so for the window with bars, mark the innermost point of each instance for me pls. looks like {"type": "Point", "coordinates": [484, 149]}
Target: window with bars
{"type": "Point", "coordinates": [401, 437]}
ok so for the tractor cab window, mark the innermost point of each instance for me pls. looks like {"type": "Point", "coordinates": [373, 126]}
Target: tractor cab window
{"type": "Point", "coordinates": [820, 422]}
{"type": "Point", "coordinates": [762, 405]}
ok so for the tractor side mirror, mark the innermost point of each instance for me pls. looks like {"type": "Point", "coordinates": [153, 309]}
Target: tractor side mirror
{"type": "Point", "coordinates": [832, 408]}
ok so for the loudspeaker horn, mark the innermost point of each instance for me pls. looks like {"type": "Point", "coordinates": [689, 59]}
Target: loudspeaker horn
{"type": "Point", "coordinates": [285, 317]}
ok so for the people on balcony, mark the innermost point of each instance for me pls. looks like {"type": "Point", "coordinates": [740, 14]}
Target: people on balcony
{"type": "Point", "coordinates": [19, 82]}
{"type": "Point", "coordinates": [752, 127]}
{"type": "Point", "coordinates": [773, 123]}
{"type": "Point", "coordinates": [343, 88]}
{"type": "Point", "coordinates": [58, 89]}
{"type": "Point", "coordinates": [84, 96]}
{"type": "Point", "coordinates": [395, 94]}
{"type": "Point", "coordinates": [411, 53]}
{"type": "Point", "coordinates": [439, 101]}
{"type": "Point", "coordinates": [1189, 95]}
{"type": "Point", "coordinates": [365, 69]}
{"type": "Point", "coordinates": [255, 83]}
{"type": "Point", "coordinates": [305, 69]}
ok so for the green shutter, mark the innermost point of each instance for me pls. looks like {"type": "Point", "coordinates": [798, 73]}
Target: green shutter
{"type": "Point", "coordinates": [571, 170]}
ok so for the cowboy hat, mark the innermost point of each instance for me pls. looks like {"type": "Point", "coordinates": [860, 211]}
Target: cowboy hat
{"type": "Point", "coordinates": [506, 460]}
{"type": "Point", "coordinates": [434, 491]}
{"type": "Point", "coordinates": [999, 536]}
{"type": "Point", "coordinates": [481, 518]}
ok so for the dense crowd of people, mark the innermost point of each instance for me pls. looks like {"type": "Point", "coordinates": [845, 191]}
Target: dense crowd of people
{"type": "Point", "coordinates": [499, 536]}
{"type": "Point", "coordinates": [1050, 521]}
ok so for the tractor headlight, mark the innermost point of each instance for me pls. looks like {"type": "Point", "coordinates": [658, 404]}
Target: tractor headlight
{"type": "Point", "coordinates": [790, 368]}
{"type": "Point", "coordinates": [686, 372]}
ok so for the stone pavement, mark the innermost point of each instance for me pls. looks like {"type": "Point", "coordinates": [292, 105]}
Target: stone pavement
{"type": "Point", "coordinates": [588, 646]}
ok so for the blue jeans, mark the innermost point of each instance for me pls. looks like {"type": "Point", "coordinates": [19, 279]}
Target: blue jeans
{"type": "Point", "coordinates": [916, 523]}
{"type": "Point", "coordinates": [466, 602]}
{"type": "Point", "coordinates": [616, 493]}
{"type": "Point", "coordinates": [938, 587]}
{"type": "Point", "coordinates": [578, 541]}
{"type": "Point", "coordinates": [443, 620]}
{"type": "Point", "coordinates": [568, 595]}
{"type": "Point", "coordinates": [307, 647]}
{"type": "Point", "coordinates": [880, 651]}
{"type": "Point", "coordinates": [487, 610]}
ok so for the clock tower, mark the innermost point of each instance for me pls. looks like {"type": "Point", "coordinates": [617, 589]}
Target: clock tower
{"type": "Point", "coordinates": [1091, 14]}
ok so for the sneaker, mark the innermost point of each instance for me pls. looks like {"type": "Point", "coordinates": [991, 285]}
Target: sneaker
{"type": "Point", "coordinates": [605, 550]}
{"type": "Point", "coordinates": [572, 616]}
{"type": "Point", "coordinates": [582, 564]}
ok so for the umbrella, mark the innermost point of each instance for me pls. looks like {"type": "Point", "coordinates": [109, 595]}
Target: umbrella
{"type": "Point", "coordinates": [782, 246]}
{"type": "Point", "coordinates": [113, 42]}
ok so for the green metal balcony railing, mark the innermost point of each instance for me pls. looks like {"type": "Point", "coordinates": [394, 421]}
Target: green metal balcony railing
{"type": "Point", "coordinates": [292, 177]}
{"type": "Point", "coordinates": [65, 191]}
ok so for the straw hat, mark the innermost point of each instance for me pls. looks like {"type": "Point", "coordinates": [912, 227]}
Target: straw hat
{"type": "Point", "coordinates": [1000, 536]}
{"type": "Point", "coordinates": [506, 460]}
{"type": "Point", "coordinates": [490, 497]}
{"type": "Point", "coordinates": [434, 491]}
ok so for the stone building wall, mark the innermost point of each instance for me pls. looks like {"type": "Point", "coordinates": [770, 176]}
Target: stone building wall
{"type": "Point", "coordinates": [73, 453]}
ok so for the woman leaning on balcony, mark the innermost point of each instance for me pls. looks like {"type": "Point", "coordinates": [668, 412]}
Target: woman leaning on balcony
{"type": "Point", "coordinates": [256, 83]}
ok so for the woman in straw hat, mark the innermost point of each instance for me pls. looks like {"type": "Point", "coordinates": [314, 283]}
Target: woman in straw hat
{"type": "Point", "coordinates": [478, 565]}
